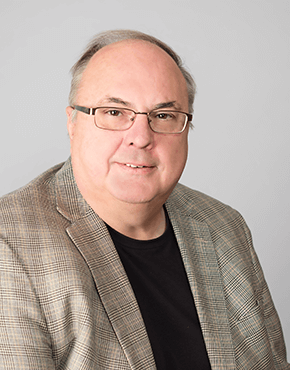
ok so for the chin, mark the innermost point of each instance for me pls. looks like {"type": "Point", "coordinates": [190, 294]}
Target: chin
{"type": "Point", "coordinates": [133, 196]}
{"type": "Point", "coordinates": [140, 192]}
{"type": "Point", "coordinates": [133, 199]}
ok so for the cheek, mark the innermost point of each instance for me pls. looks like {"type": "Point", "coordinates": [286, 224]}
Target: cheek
{"type": "Point", "coordinates": [179, 149]}
{"type": "Point", "coordinates": [94, 149]}
{"type": "Point", "coordinates": [175, 156]}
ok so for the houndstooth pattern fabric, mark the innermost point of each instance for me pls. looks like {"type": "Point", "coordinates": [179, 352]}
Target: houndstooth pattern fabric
{"type": "Point", "coordinates": [66, 302]}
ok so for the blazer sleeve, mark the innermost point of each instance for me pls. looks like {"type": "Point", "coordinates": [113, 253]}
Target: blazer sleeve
{"type": "Point", "coordinates": [271, 319]}
{"type": "Point", "coordinates": [24, 339]}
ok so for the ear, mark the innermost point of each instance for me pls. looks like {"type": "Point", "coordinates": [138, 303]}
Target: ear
{"type": "Point", "coordinates": [70, 123]}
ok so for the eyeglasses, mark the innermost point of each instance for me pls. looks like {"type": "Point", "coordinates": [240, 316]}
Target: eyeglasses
{"type": "Point", "coordinates": [121, 119]}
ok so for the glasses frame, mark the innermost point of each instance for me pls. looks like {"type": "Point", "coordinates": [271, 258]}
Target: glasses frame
{"type": "Point", "coordinates": [91, 112]}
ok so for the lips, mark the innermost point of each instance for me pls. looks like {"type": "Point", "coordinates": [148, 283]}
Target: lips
{"type": "Point", "coordinates": [134, 166]}
{"type": "Point", "coordinates": [137, 166]}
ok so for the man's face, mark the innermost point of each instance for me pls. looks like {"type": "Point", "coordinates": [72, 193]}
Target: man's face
{"type": "Point", "coordinates": [140, 76]}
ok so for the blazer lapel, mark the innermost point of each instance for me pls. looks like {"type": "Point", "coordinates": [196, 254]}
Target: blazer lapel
{"type": "Point", "coordinates": [201, 265]}
{"type": "Point", "coordinates": [90, 236]}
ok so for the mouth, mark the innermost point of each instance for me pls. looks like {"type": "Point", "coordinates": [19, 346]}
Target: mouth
{"type": "Point", "coordinates": [134, 166]}
{"type": "Point", "coordinates": [137, 168]}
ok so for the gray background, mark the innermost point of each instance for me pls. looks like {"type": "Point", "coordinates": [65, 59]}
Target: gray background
{"type": "Point", "coordinates": [238, 52]}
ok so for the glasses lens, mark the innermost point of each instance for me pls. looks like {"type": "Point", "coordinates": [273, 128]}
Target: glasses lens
{"type": "Point", "coordinates": [169, 122]}
{"type": "Point", "coordinates": [113, 118]}
{"type": "Point", "coordinates": [119, 119]}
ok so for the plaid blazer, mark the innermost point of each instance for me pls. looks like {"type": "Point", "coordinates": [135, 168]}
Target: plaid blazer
{"type": "Point", "coordinates": [66, 302]}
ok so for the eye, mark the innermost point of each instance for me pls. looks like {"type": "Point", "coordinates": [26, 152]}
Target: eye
{"type": "Point", "coordinates": [164, 116]}
{"type": "Point", "coordinates": [114, 112]}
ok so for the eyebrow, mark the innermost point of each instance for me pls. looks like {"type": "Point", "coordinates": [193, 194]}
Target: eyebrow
{"type": "Point", "coordinates": [112, 99]}
{"type": "Point", "coordinates": [169, 104]}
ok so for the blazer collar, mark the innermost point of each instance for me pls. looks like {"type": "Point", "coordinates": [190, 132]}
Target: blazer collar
{"type": "Point", "coordinates": [69, 201]}
{"type": "Point", "coordinates": [201, 265]}
{"type": "Point", "coordinates": [90, 236]}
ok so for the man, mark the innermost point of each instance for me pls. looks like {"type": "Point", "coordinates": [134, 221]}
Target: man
{"type": "Point", "coordinates": [106, 261]}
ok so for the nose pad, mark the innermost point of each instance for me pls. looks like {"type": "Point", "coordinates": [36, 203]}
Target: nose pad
{"type": "Point", "coordinates": [135, 116]}
{"type": "Point", "coordinates": [148, 117]}
{"type": "Point", "coordinates": [144, 113]}
{"type": "Point", "coordinates": [140, 136]}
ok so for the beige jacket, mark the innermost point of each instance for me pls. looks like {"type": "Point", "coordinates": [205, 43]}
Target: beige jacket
{"type": "Point", "coordinates": [66, 302]}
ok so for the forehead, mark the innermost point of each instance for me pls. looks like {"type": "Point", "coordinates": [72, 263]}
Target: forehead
{"type": "Point", "coordinates": [139, 52]}
{"type": "Point", "coordinates": [136, 66]}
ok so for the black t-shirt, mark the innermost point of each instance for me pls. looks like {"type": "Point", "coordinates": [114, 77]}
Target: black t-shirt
{"type": "Point", "coordinates": [157, 275]}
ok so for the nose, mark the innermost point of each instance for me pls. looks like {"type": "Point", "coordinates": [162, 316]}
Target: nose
{"type": "Point", "coordinates": [140, 134]}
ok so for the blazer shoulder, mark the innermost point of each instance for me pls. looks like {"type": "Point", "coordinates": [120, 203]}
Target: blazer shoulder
{"type": "Point", "coordinates": [42, 179]}
{"type": "Point", "coordinates": [198, 204]}
{"type": "Point", "coordinates": [204, 208]}
{"type": "Point", "coordinates": [33, 198]}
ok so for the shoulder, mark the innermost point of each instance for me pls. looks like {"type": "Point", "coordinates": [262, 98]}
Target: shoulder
{"type": "Point", "coordinates": [220, 218]}
{"type": "Point", "coordinates": [29, 203]}
{"type": "Point", "coordinates": [198, 204]}
{"type": "Point", "coordinates": [32, 230]}
{"type": "Point", "coordinates": [33, 186]}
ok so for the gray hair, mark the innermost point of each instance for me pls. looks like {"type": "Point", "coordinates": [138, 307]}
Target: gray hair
{"type": "Point", "coordinates": [109, 37]}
